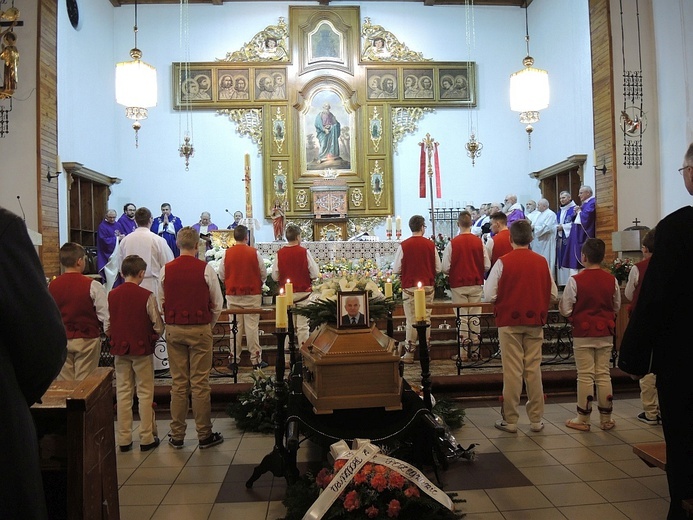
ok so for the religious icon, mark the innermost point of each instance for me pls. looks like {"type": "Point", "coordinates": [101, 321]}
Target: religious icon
{"type": "Point", "coordinates": [415, 86]}
{"type": "Point", "coordinates": [196, 85]}
{"type": "Point", "coordinates": [454, 84]}
{"type": "Point", "coordinates": [382, 84]}
{"type": "Point", "coordinates": [325, 43]}
{"type": "Point", "coordinates": [326, 128]}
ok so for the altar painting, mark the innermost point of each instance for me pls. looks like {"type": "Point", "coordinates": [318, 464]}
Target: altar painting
{"type": "Point", "coordinates": [326, 133]}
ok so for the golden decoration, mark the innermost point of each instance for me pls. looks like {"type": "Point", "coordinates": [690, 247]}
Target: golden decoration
{"type": "Point", "coordinates": [405, 121]}
{"type": "Point", "coordinates": [361, 224]}
{"type": "Point", "coordinates": [375, 128]}
{"type": "Point", "coordinates": [377, 183]}
{"type": "Point", "coordinates": [381, 45]}
{"type": "Point", "coordinates": [248, 122]}
{"type": "Point", "coordinates": [280, 181]}
{"type": "Point", "coordinates": [302, 199]}
{"type": "Point", "coordinates": [306, 227]}
{"type": "Point", "coordinates": [356, 197]}
{"type": "Point", "coordinates": [279, 130]}
{"type": "Point", "coordinates": [331, 232]}
{"type": "Point", "coordinates": [222, 238]}
{"type": "Point", "coordinates": [271, 44]}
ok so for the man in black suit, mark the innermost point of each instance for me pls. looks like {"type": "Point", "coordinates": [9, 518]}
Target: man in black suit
{"type": "Point", "coordinates": [352, 304]}
{"type": "Point", "coordinates": [32, 351]}
{"type": "Point", "coordinates": [660, 322]}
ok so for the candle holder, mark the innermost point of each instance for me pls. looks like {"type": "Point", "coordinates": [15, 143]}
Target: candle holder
{"type": "Point", "coordinates": [292, 339]}
{"type": "Point", "coordinates": [280, 461]}
{"type": "Point", "coordinates": [388, 234]}
{"type": "Point", "coordinates": [425, 361]}
{"type": "Point", "coordinates": [398, 234]}
{"type": "Point", "coordinates": [233, 364]}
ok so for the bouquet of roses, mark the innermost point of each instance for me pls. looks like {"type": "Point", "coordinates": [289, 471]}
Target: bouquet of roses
{"type": "Point", "coordinates": [620, 268]}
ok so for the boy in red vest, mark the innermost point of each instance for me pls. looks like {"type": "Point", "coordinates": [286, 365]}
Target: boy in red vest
{"type": "Point", "coordinates": [191, 300]}
{"type": "Point", "coordinates": [135, 326]}
{"type": "Point", "coordinates": [521, 286]}
{"type": "Point", "coordinates": [294, 262]}
{"type": "Point", "coordinates": [648, 389]}
{"type": "Point", "coordinates": [465, 260]}
{"type": "Point", "coordinates": [591, 300]}
{"type": "Point", "coordinates": [243, 271]}
{"type": "Point", "coordinates": [84, 309]}
{"type": "Point", "coordinates": [498, 243]}
{"type": "Point", "coordinates": [416, 261]}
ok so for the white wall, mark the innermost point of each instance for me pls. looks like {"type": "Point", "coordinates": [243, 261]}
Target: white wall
{"type": "Point", "coordinates": [155, 173]}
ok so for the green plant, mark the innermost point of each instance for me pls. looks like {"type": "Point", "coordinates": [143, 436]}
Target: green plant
{"type": "Point", "coordinates": [253, 410]}
{"type": "Point", "coordinates": [325, 311]}
{"type": "Point", "coordinates": [620, 268]}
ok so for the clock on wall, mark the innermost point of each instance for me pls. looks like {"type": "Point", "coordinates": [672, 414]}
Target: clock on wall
{"type": "Point", "coordinates": [73, 12]}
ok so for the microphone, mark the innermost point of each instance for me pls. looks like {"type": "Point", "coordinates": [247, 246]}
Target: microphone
{"type": "Point", "coordinates": [227, 211]}
{"type": "Point", "coordinates": [19, 200]}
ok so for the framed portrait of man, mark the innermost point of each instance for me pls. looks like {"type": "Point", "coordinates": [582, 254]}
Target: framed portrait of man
{"type": "Point", "coordinates": [193, 86]}
{"type": "Point", "coordinates": [270, 84]}
{"type": "Point", "coordinates": [418, 83]}
{"type": "Point", "coordinates": [352, 309]}
{"type": "Point", "coordinates": [233, 84]}
{"type": "Point", "coordinates": [457, 84]}
{"type": "Point", "coordinates": [382, 84]}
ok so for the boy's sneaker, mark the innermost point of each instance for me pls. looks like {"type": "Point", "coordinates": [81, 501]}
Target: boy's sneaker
{"type": "Point", "coordinates": [408, 358]}
{"type": "Point", "coordinates": [178, 444]}
{"type": "Point", "coordinates": [150, 446]}
{"type": "Point", "coordinates": [537, 426]}
{"type": "Point", "coordinates": [260, 365]}
{"type": "Point", "coordinates": [652, 422]}
{"type": "Point", "coordinates": [506, 426]}
{"type": "Point", "coordinates": [212, 440]}
{"type": "Point", "coordinates": [125, 448]}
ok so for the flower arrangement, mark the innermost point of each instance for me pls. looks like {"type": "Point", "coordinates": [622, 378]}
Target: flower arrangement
{"type": "Point", "coordinates": [375, 492]}
{"type": "Point", "coordinates": [620, 268]}
{"type": "Point", "coordinates": [355, 275]}
{"type": "Point", "coordinates": [253, 410]}
{"type": "Point", "coordinates": [442, 282]}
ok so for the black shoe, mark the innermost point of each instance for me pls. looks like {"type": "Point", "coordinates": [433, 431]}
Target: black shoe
{"type": "Point", "coordinates": [212, 440]}
{"type": "Point", "coordinates": [178, 444]}
{"type": "Point", "coordinates": [151, 446]}
{"type": "Point", "coordinates": [261, 365]}
{"type": "Point", "coordinates": [125, 448]}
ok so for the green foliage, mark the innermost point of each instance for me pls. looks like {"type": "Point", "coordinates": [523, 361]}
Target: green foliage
{"type": "Point", "coordinates": [450, 413]}
{"type": "Point", "coordinates": [325, 311]}
{"type": "Point", "coordinates": [253, 410]}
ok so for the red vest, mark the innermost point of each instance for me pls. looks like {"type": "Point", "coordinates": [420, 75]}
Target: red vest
{"type": "Point", "coordinates": [186, 292]}
{"type": "Point", "coordinates": [524, 289]}
{"type": "Point", "coordinates": [132, 331]}
{"type": "Point", "coordinates": [293, 265]}
{"type": "Point", "coordinates": [501, 245]}
{"type": "Point", "coordinates": [418, 262]}
{"type": "Point", "coordinates": [642, 269]}
{"type": "Point", "coordinates": [467, 261]}
{"type": "Point", "coordinates": [593, 313]}
{"type": "Point", "coordinates": [242, 271]}
{"type": "Point", "coordinates": [71, 291]}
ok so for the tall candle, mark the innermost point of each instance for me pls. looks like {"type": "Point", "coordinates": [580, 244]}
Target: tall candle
{"type": "Point", "coordinates": [58, 164]}
{"type": "Point", "coordinates": [282, 318]}
{"type": "Point", "coordinates": [388, 289]}
{"type": "Point", "coordinates": [388, 224]}
{"type": "Point", "coordinates": [420, 303]}
{"type": "Point", "coordinates": [289, 289]}
{"type": "Point", "coordinates": [398, 223]}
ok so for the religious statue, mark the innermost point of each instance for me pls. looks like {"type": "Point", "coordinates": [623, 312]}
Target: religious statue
{"type": "Point", "coordinates": [328, 130]}
{"type": "Point", "coordinates": [278, 221]}
{"type": "Point", "coordinates": [10, 57]}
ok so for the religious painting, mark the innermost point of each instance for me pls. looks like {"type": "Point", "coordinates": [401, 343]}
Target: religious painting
{"type": "Point", "coordinates": [418, 83]}
{"type": "Point", "coordinates": [192, 85]}
{"type": "Point", "coordinates": [377, 50]}
{"type": "Point", "coordinates": [382, 84]}
{"type": "Point", "coordinates": [232, 84]}
{"type": "Point", "coordinates": [352, 308]}
{"type": "Point", "coordinates": [272, 48]}
{"type": "Point", "coordinates": [326, 43]}
{"type": "Point", "coordinates": [457, 84]}
{"type": "Point", "coordinates": [270, 84]}
{"type": "Point", "coordinates": [280, 182]}
{"type": "Point", "coordinates": [326, 129]}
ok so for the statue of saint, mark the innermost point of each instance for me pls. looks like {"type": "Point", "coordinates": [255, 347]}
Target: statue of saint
{"type": "Point", "coordinates": [10, 56]}
{"type": "Point", "coordinates": [278, 222]}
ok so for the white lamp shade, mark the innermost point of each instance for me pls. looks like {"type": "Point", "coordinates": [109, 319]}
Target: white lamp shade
{"type": "Point", "coordinates": [135, 84]}
{"type": "Point", "coordinates": [529, 90]}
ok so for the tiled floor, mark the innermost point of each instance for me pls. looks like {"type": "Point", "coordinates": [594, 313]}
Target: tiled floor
{"type": "Point", "coordinates": [558, 473]}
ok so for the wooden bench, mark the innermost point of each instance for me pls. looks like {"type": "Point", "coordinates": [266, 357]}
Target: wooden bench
{"type": "Point", "coordinates": [653, 453]}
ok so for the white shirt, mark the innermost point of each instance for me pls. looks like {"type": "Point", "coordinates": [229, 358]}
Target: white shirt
{"type": "Point", "coordinates": [152, 249]}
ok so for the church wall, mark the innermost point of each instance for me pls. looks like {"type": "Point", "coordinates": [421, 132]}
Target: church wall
{"type": "Point", "coordinates": [101, 137]}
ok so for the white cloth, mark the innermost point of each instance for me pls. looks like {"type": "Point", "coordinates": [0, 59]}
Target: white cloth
{"type": "Point", "coordinates": [476, 228]}
{"type": "Point", "coordinates": [533, 215]}
{"type": "Point", "coordinates": [110, 270]}
{"type": "Point", "coordinates": [544, 242]}
{"type": "Point", "coordinates": [152, 249]}
{"type": "Point", "coordinates": [633, 279]}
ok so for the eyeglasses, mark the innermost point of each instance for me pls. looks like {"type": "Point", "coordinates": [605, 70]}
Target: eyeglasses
{"type": "Point", "coordinates": [681, 170]}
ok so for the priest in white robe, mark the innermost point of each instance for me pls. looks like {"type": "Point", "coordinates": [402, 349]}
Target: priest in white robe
{"type": "Point", "coordinates": [531, 211]}
{"type": "Point", "coordinates": [544, 226]}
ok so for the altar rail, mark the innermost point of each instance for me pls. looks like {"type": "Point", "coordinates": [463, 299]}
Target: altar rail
{"type": "Point", "coordinates": [332, 251]}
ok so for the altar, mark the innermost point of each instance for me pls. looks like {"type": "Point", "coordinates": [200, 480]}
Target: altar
{"type": "Point", "coordinates": [333, 251]}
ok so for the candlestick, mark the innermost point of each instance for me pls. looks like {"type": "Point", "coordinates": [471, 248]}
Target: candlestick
{"type": "Point", "coordinates": [388, 224]}
{"type": "Point", "coordinates": [388, 289]}
{"type": "Point", "coordinates": [282, 319]}
{"type": "Point", "coordinates": [398, 223]}
{"type": "Point", "coordinates": [420, 303]}
{"type": "Point", "coordinates": [289, 289]}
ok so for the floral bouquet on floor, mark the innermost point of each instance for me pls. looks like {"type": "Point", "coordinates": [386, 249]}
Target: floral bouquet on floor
{"type": "Point", "coordinates": [364, 484]}
{"type": "Point", "coordinates": [253, 410]}
{"type": "Point", "coordinates": [620, 268]}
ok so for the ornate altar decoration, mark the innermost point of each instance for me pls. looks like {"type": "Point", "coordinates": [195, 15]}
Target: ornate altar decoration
{"type": "Point", "coordinates": [222, 238]}
{"type": "Point", "coordinates": [9, 53]}
{"type": "Point", "coordinates": [351, 368]}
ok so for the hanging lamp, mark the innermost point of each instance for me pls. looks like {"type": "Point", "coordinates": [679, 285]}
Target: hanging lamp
{"type": "Point", "coordinates": [136, 86]}
{"type": "Point", "coordinates": [186, 148]}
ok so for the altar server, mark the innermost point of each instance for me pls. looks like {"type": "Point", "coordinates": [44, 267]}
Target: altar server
{"type": "Point", "coordinates": [84, 309]}
{"type": "Point", "coordinates": [416, 261]}
{"type": "Point", "coordinates": [498, 243]}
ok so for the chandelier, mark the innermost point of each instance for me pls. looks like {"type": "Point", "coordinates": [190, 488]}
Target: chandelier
{"type": "Point", "coordinates": [135, 85]}
{"type": "Point", "coordinates": [529, 90]}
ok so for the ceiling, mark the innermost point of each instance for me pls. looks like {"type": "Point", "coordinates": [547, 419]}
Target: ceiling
{"type": "Point", "coordinates": [516, 3]}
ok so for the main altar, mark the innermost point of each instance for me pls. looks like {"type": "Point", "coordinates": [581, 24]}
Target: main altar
{"type": "Point", "coordinates": [332, 251]}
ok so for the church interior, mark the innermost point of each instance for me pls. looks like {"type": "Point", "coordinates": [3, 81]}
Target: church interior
{"type": "Point", "coordinates": [330, 115]}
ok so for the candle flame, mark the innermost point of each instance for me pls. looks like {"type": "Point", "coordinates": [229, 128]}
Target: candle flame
{"type": "Point", "coordinates": [389, 281]}
{"type": "Point", "coordinates": [281, 292]}
{"type": "Point", "coordinates": [288, 281]}
{"type": "Point", "coordinates": [419, 285]}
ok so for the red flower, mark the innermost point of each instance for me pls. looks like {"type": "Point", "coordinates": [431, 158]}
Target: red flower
{"type": "Point", "coordinates": [396, 480]}
{"type": "Point", "coordinates": [351, 501]}
{"type": "Point", "coordinates": [412, 491]}
{"type": "Point", "coordinates": [372, 512]}
{"type": "Point", "coordinates": [338, 464]}
{"type": "Point", "coordinates": [393, 508]}
{"type": "Point", "coordinates": [379, 482]}
{"type": "Point", "coordinates": [323, 478]}
{"type": "Point", "coordinates": [360, 478]}
{"type": "Point", "coordinates": [379, 470]}
{"type": "Point", "coordinates": [367, 468]}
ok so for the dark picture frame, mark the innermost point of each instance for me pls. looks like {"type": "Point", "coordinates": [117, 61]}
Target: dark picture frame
{"type": "Point", "coordinates": [382, 83]}
{"type": "Point", "coordinates": [345, 302]}
{"type": "Point", "coordinates": [417, 83]}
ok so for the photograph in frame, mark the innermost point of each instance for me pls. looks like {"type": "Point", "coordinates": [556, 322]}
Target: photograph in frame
{"type": "Point", "coordinates": [352, 309]}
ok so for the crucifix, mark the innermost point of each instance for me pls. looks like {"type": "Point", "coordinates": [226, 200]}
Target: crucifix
{"type": "Point", "coordinates": [429, 145]}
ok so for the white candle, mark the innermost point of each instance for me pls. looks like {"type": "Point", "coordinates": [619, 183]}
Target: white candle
{"type": "Point", "coordinates": [420, 303]}
{"type": "Point", "coordinates": [58, 164]}
{"type": "Point", "coordinates": [398, 223]}
{"type": "Point", "coordinates": [388, 223]}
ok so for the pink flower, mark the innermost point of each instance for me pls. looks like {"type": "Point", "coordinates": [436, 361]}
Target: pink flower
{"type": "Point", "coordinates": [412, 491]}
{"type": "Point", "coordinates": [351, 501]}
{"type": "Point", "coordinates": [393, 508]}
{"type": "Point", "coordinates": [372, 512]}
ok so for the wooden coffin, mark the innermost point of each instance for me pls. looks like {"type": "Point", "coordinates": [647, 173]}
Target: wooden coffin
{"type": "Point", "coordinates": [351, 368]}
